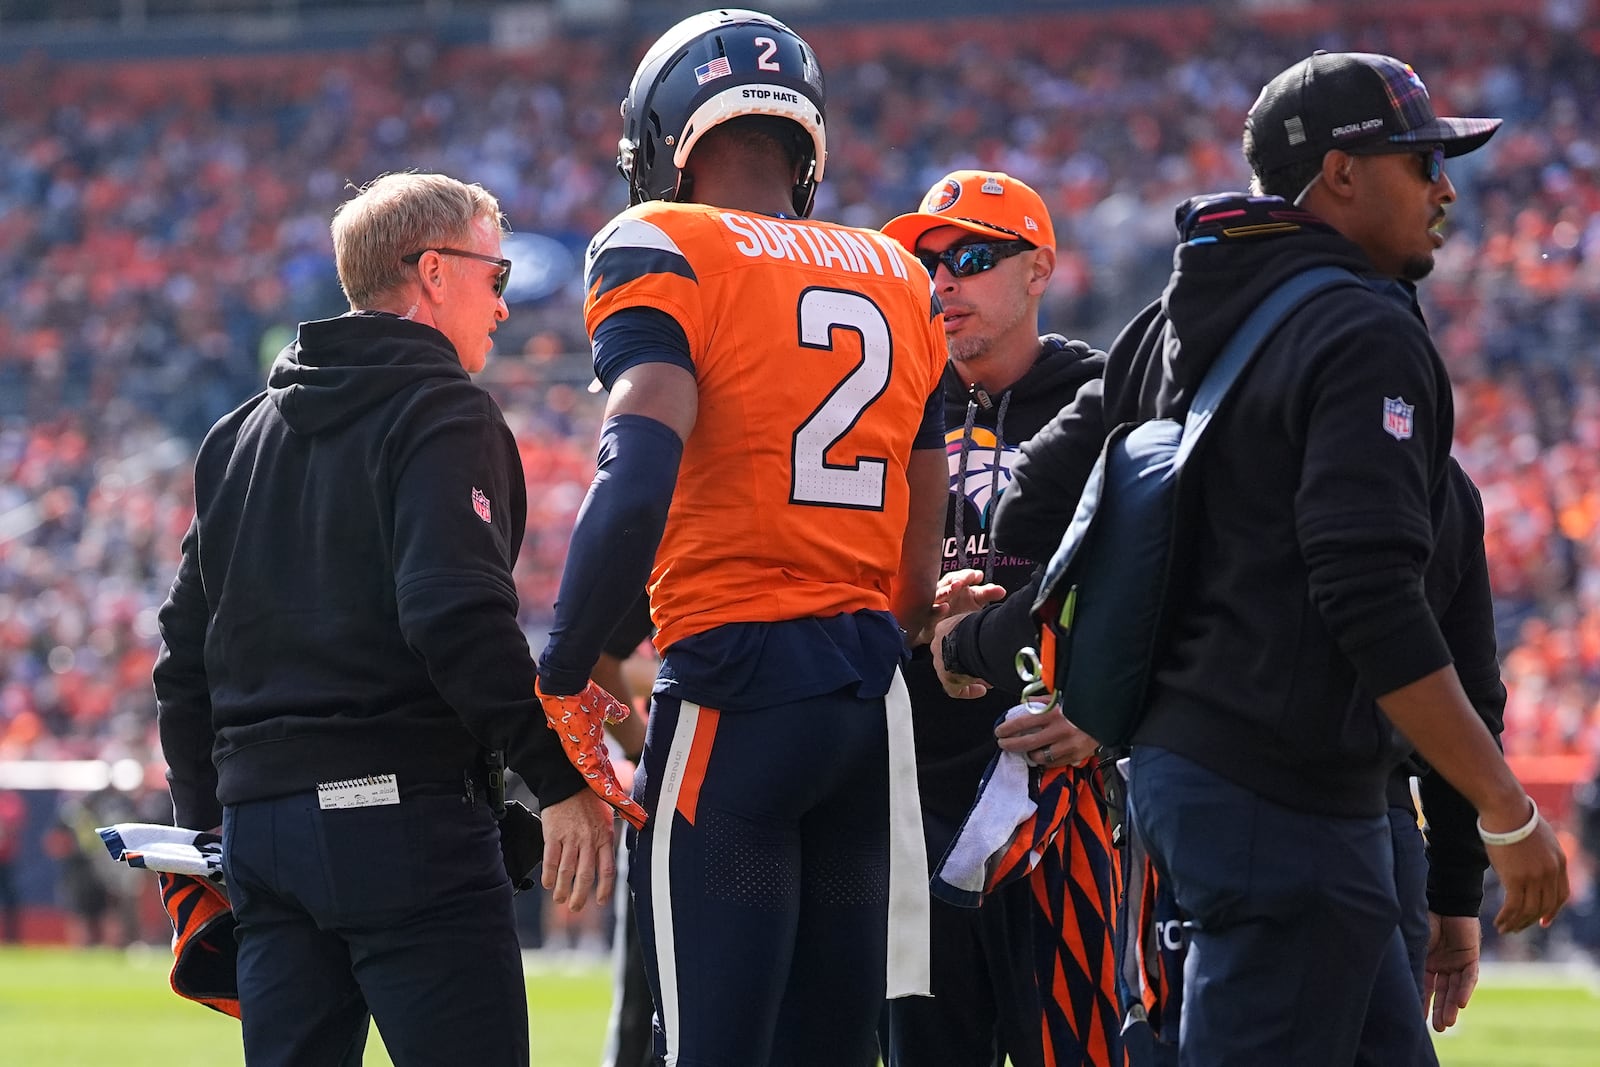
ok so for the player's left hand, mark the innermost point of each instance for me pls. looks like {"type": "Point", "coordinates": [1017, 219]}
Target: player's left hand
{"type": "Point", "coordinates": [962, 591]}
{"type": "Point", "coordinates": [579, 721]}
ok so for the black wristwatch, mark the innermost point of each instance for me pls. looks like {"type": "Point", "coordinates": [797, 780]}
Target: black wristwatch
{"type": "Point", "coordinates": [950, 650]}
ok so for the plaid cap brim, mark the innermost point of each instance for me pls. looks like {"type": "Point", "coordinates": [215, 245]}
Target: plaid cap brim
{"type": "Point", "coordinates": [1459, 136]}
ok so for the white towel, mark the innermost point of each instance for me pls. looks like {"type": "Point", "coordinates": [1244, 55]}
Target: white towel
{"type": "Point", "coordinates": [1017, 813]}
{"type": "Point", "coordinates": [188, 867]}
{"type": "Point", "coordinates": [173, 849]}
{"type": "Point", "coordinates": [909, 971]}
{"type": "Point", "coordinates": [1003, 804]}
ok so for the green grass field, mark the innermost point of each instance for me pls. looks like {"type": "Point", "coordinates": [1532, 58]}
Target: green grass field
{"type": "Point", "coordinates": [1526, 1018]}
{"type": "Point", "coordinates": [97, 1008]}
{"type": "Point", "coordinates": [64, 1008]}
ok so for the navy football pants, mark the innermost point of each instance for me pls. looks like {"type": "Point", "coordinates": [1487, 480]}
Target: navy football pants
{"type": "Point", "coordinates": [403, 909]}
{"type": "Point", "coordinates": [761, 882]}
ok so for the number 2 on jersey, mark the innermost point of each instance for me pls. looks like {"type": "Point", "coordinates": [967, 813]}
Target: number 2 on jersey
{"type": "Point", "coordinates": [813, 480]}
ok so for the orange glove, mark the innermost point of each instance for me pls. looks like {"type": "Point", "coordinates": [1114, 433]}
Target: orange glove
{"type": "Point", "coordinates": [579, 721]}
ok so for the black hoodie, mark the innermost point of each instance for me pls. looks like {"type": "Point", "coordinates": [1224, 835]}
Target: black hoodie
{"type": "Point", "coordinates": [345, 606]}
{"type": "Point", "coordinates": [955, 738]}
{"type": "Point", "coordinates": [1312, 507]}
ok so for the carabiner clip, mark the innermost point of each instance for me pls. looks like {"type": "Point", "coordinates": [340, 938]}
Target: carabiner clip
{"type": "Point", "coordinates": [1031, 671]}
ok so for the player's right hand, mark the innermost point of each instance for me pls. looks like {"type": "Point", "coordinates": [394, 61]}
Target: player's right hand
{"type": "Point", "coordinates": [1533, 873]}
{"type": "Point", "coordinates": [579, 850]}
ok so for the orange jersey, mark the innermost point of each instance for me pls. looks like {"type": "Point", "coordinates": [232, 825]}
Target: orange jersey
{"type": "Point", "coordinates": [815, 350]}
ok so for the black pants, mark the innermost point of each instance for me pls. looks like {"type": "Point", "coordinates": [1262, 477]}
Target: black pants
{"type": "Point", "coordinates": [401, 908]}
{"type": "Point", "coordinates": [1388, 1037]}
{"type": "Point", "coordinates": [629, 1034]}
{"type": "Point", "coordinates": [985, 1005]}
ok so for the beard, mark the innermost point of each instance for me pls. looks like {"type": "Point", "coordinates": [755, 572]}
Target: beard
{"type": "Point", "coordinates": [998, 320]}
{"type": "Point", "coordinates": [1416, 268]}
{"type": "Point", "coordinates": [963, 349]}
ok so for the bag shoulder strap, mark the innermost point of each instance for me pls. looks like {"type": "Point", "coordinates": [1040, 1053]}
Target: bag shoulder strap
{"type": "Point", "coordinates": [1246, 342]}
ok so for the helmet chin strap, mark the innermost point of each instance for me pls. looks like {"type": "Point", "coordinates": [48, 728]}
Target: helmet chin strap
{"type": "Point", "coordinates": [805, 191]}
{"type": "Point", "coordinates": [637, 193]}
{"type": "Point", "coordinates": [805, 198]}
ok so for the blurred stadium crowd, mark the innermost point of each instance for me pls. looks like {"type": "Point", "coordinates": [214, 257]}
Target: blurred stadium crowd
{"type": "Point", "coordinates": [164, 226]}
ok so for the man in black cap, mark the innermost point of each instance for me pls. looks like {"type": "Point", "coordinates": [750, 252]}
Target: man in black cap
{"type": "Point", "coordinates": [1302, 635]}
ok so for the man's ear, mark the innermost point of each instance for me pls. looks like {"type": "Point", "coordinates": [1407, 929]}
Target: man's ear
{"type": "Point", "coordinates": [1044, 265]}
{"type": "Point", "coordinates": [1337, 169]}
{"type": "Point", "coordinates": [430, 275]}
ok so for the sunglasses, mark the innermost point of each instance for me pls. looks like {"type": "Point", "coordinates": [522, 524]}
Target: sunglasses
{"type": "Point", "coordinates": [501, 280]}
{"type": "Point", "coordinates": [963, 261]}
{"type": "Point", "coordinates": [1433, 164]}
{"type": "Point", "coordinates": [1431, 157]}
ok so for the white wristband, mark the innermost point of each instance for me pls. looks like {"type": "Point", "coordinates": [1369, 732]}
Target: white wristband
{"type": "Point", "coordinates": [1511, 837]}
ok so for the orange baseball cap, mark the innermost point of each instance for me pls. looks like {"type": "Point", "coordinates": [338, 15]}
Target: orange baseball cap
{"type": "Point", "coordinates": [984, 202]}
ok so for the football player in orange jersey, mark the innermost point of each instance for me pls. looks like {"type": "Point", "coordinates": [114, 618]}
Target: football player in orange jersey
{"type": "Point", "coordinates": [774, 444]}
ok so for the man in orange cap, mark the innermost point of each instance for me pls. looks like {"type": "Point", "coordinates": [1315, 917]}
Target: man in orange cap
{"type": "Point", "coordinates": [1028, 975]}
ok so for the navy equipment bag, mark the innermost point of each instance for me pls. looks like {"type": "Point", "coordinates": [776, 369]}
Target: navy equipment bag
{"type": "Point", "coordinates": [1101, 605]}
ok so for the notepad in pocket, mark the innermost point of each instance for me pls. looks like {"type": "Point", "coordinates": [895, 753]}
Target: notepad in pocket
{"type": "Point", "coordinates": [369, 792]}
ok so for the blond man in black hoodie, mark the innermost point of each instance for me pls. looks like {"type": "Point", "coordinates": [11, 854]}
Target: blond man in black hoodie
{"type": "Point", "coordinates": [341, 649]}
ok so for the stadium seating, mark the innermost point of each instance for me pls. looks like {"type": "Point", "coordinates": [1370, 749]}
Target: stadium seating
{"type": "Point", "coordinates": [163, 226]}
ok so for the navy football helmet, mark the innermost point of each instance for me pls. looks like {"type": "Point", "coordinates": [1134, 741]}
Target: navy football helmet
{"type": "Point", "coordinates": [709, 68]}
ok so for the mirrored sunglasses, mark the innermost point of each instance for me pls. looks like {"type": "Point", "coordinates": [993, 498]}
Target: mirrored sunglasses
{"type": "Point", "coordinates": [963, 261]}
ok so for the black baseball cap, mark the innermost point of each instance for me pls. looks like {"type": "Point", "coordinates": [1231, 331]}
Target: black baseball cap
{"type": "Point", "coordinates": [1350, 100]}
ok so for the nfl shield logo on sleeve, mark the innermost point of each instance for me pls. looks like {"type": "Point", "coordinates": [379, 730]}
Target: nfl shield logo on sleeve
{"type": "Point", "coordinates": [480, 503]}
{"type": "Point", "coordinates": [1397, 417]}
